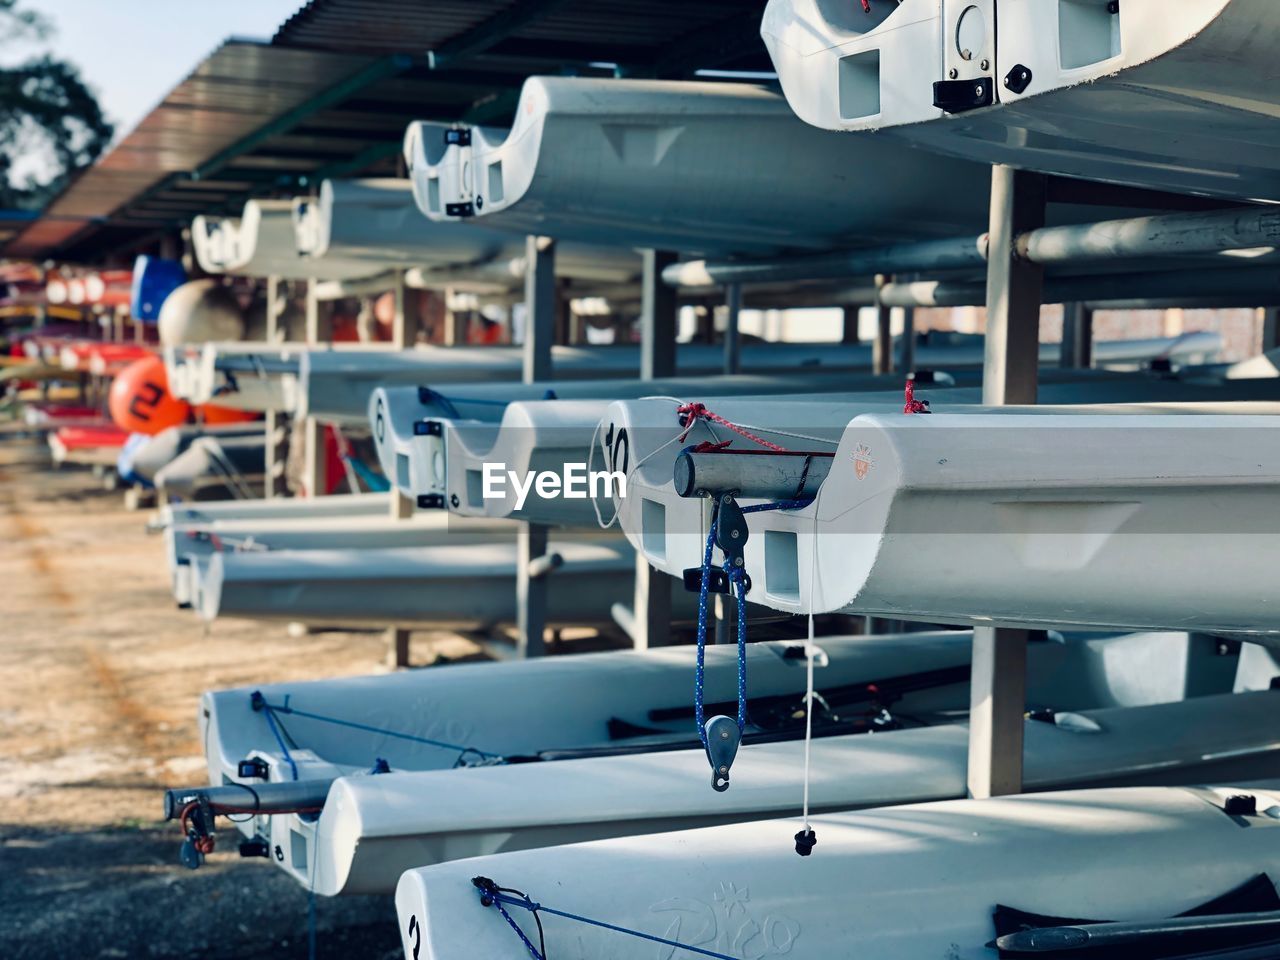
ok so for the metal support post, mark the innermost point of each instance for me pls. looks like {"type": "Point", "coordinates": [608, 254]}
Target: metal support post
{"type": "Point", "coordinates": [907, 346]}
{"type": "Point", "coordinates": [1270, 328]}
{"type": "Point", "coordinates": [1077, 337]}
{"type": "Point", "coordinates": [540, 298]}
{"type": "Point", "coordinates": [652, 610]}
{"type": "Point", "coordinates": [314, 478]}
{"type": "Point", "coordinates": [1014, 288]}
{"type": "Point", "coordinates": [404, 325]}
{"type": "Point", "coordinates": [276, 445]}
{"type": "Point", "coordinates": [997, 699]}
{"type": "Point", "coordinates": [732, 343]}
{"type": "Point", "coordinates": [540, 307]}
{"type": "Point", "coordinates": [882, 349]}
{"type": "Point", "coordinates": [849, 328]}
{"type": "Point", "coordinates": [531, 590]}
{"type": "Point", "coordinates": [398, 637]}
{"type": "Point", "coordinates": [658, 312]}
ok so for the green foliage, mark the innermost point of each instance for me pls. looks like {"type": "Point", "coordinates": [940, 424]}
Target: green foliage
{"type": "Point", "coordinates": [49, 120]}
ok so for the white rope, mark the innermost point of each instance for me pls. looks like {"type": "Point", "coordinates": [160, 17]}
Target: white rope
{"type": "Point", "coordinates": [809, 650]}
{"type": "Point", "coordinates": [591, 458]}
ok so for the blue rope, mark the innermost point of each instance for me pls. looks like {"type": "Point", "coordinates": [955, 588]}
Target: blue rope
{"type": "Point", "coordinates": [700, 670]}
{"type": "Point", "coordinates": [259, 702]}
{"type": "Point", "coordinates": [497, 899]}
{"type": "Point", "coordinates": [737, 577]}
{"type": "Point", "coordinates": [351, 724]}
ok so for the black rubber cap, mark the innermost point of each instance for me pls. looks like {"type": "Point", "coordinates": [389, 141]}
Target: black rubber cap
{"type": "Point", "coordinates": [1241, 805]}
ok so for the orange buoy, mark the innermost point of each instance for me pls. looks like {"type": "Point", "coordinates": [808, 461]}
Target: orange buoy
{"type": "Point", "coordinates": [140, 401]}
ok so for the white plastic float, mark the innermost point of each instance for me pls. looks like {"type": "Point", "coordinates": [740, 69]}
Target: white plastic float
{"type": "Point", "coordinates": [372, 828]}
{"type": "Point", "coordinates": [1176, 96]}
{"type": "Point", "coordinates": [417, 585]}
{"type": "Point", "coordinates": [591, 770]}
{"type": "Point", "coordinates": [896, 884]}
{"type": "Point", "coordinates": [707, 167]}
{"type": "Point", "coordinates": [1143, 516]}
{"type": "Point", "coordinates": [191, 543]}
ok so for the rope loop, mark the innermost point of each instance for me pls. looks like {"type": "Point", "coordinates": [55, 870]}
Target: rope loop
{"type": "Point", "coordinates": [690, 413]}
{"type": "Point", "coordinates": [912, 405]}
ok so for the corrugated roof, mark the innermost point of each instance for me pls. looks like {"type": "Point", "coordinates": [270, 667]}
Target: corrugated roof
{"type": "Point", "coordinates": [633, 33]}
{"type": "Point", "coordinates": [333, 91]}
{"type": "Point", "coordinates": [238, 88]}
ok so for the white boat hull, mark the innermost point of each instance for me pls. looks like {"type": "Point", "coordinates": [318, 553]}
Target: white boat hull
{"type": "Point", "coordinates": [1067, 528]}
{"type": "Point", "coordinates": [1179, 97]}
{"type": "Point", "coordinates": [413, 585]}
{"type": "Point", "coordinates": [372, 828]}
{"type": "Point", "coordinates": [895, 884]}
{"type": "Point", "coordinates": [714, 168]}
{"type": "Point", "coordinates": [193, 542]}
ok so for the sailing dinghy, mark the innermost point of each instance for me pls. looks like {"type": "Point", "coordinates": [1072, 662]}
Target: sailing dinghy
{"type": "Point", "coordinates": [1172, 96]}
{"type": "Point", "coordinates": [1043, 515]}
{"type": "Point", "coordinates": [903, 883]}
{"type": "Point", "coordinates": [274, 508]}
{"type": "Point", "coordinates": [408, 586]}
{"type": "Point", "coordinates": [656, 163]}
{"type": "Point", "coordinates": [261, 243]}
{"type": "Point", "coordinates": [189, 544]}
{"type": "Point", "coordinates": [371, 828]}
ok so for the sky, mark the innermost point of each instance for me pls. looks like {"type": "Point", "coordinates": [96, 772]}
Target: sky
{"type": "Point", "coordinates": [133, 52]}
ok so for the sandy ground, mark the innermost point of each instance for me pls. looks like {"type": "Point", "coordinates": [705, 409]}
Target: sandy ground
{"type": "Point", "coordinates": [99, 680]}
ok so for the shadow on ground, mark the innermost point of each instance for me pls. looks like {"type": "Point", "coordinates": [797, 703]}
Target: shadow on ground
{"type": "Point", "coordinates": [120, 893]}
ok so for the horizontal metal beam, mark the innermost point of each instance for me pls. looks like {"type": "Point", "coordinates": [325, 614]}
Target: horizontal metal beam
{"type": "Point", "coordinates": [365, 158]}
{"type": "Point", "coordinates": [712, 46]}
{"type": "Point", "coordinates": [1220, 287]}
{"type": "Point", "coordinates": [1170, 235]}
{"type": "Point", "coordinates": [926, 256]}
{"type": "Point", "coordinates": [489, 33]}
{"type": "Point", "coordinates": [342, 90]}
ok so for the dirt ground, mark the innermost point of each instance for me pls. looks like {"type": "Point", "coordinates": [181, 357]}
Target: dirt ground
{"type": "Point", "coordinates": [99, 680]}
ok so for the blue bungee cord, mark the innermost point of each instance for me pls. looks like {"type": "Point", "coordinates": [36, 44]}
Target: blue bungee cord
{"type": "Point", "coordinates": [492, 895]}
{"type": "Point", "coordinates": [259, 703]}
{"type": "Point", "coordinates": [721, 735]}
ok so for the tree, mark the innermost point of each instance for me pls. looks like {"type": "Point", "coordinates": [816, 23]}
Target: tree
{"type": "Point", "coordinates": [51, 125]}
